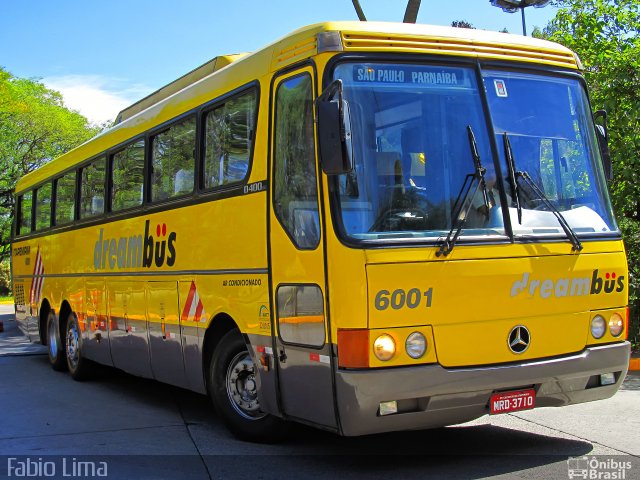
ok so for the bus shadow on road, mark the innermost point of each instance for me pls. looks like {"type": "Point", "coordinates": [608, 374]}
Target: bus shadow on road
{"type": "Point", "coordinates": [467, 451]}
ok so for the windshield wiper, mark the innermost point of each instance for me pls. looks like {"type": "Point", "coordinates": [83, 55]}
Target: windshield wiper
{"type": "Point", "coordinates": [465, 194]}
{"type": "Point", "coordinates": [511, 166]}
{"type": "Point", "coordinates": [515, 175]}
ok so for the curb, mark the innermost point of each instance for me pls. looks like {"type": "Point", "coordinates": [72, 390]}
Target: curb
{"type": "Point", "coordinates": [634, 364]}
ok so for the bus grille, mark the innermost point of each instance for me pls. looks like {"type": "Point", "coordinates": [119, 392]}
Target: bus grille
{"type": "Point", "coordinates": [457, 46]}
{"type": "Point", "coordinates": [18, 294]}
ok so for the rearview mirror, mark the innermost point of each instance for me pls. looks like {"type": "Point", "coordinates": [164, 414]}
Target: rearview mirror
{"type": "Point", "coordinates": [334, 131]}
{"type": "Point", "coordinates": [603, 142]}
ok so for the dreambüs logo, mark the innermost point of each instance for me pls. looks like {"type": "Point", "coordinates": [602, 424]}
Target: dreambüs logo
{"type": "Point", "coordinates": [137, 250]}
{"type": "Point", "coordinates": [571, 287]}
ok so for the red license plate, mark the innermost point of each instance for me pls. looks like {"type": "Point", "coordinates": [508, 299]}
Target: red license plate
{"type": "Point", "coordinates": [504, 402]}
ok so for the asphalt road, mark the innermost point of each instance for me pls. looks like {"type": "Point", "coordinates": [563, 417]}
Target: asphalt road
{"type": "Point", "coordinates": [144, 429]}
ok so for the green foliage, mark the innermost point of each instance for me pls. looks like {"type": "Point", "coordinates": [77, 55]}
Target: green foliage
{"type": "Point", "coordinates": [35, 127]}
{"type": "Point", "coordinates": [606, 36]}
{"type": "Point", "coordinates": [462, 24]}
{"type": "Point", "coordinates": [5, 278]}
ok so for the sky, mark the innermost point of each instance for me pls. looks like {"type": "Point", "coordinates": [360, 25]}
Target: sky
{"type": "Point", "coordinates": [104, 55]}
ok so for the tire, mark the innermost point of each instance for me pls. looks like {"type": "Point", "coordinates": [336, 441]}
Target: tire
{"type": "Point", "coordinates": [55, 343]}
{"type": "Point", "coordinates": [79, 367]}
{"type": "Point", "coordinates": [233, 391]}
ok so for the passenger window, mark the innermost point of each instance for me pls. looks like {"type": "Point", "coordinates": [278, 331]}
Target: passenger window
{"type": "Point", "coordinates": [25, 202]}
{"type": "Point", "coordinates": [65, 198]}
{"type": "Point", "coordinates": [92, 189]}
{"type": "Point", "coordinates": [127, 177]}
{"type": "Point", "coordinates": [43, 207]}
{"type": "Point", "coordinates": [228, 134]}
{"type": "Point", "coordinates": [295, 192]}
{"type": "Point", "coordinates": [173, 161]}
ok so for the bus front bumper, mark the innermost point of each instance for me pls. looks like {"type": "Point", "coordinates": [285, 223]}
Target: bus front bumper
{"type": "Point", "coordinates": [432, 396]}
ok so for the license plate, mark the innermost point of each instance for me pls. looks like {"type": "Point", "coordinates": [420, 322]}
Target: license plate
{"type": "Point", "coordinates": [504, 402]}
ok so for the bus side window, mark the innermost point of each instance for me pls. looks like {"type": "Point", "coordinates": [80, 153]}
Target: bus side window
{"type": "Point", "coordinates": [173, 161]}
{"type": "Point", "coordinates": [24, 220]}
{"type": "Point", "coordinates": [65, 198]}
{"type": "Point", "coordinates": [92, 188]}
{"type": "Point", "coordinates": [228, 134]}
{"type": "Point", "coordinates": [43, 206]}
{"type": "Point", "coordinates": [127, 189]}
{"type": "Point", "coordinates": [295, 191]}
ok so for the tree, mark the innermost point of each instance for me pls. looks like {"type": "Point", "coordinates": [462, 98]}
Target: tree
{"type": "Point", "coordinates": [35, 127]}
{"type": "Point", "coordinates": [606, 36]}
{"type": "Point", "coordinates": [462, 24]}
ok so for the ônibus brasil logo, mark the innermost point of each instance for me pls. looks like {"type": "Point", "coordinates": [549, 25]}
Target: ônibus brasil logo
{"type": "Point", "coordinates": [137, 250]}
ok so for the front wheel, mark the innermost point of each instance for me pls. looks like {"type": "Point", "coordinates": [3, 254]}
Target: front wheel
{"type": "Point", "coordinates": [80, 368]}
{"type": "Point", "coordinates": [56, 348]}
{"type": "Point", "coordinates": [233, 389]}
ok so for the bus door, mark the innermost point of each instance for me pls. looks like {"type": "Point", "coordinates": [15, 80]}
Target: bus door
{"type": "Point", "coordinates": [301, 349]}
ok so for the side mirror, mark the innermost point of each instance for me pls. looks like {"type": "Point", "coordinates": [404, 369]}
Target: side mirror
{"type": "Point", "coordinates": [603, 142]}
{"type": "Point", "coordinates": [334, 131]}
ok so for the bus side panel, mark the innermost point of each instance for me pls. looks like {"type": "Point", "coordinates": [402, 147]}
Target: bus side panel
{"type": "Point", "coordinates": [192, 337]}
{"type": "Point", "coordinates": [130, 340]}
{"type": "Point", "coordinates": [96, 331]}
{"type": "Point", "coordinates": [165, 337]}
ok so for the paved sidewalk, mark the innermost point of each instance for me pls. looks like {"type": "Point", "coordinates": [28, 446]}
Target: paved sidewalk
{"type": "Point", "coordinates": [12, 342]}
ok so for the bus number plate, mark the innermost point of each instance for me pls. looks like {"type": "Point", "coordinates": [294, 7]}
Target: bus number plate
{"type": "Point", "coordinates": [504, 402]}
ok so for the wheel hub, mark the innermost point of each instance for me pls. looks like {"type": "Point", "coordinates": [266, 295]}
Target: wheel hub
{"type": "Point", "coordinates": [73, 342]}
{"type": "Point", "coordinates": [242, 388]}
{"type": "Point", "coordinates": [53, 340]}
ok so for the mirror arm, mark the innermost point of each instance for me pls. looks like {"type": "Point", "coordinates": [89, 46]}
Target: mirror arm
{"type": "Point", "coordinates": [603, 142]}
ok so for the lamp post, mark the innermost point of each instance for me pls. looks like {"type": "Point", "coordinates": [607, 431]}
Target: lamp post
{"type": "Point", "coordinates": [512, 6]}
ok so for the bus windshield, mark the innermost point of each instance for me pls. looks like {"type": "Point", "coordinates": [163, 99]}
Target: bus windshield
{"type": "Point", "coordinates": [413, 155]}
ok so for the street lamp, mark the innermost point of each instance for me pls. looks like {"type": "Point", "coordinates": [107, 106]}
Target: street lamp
{"type": "Point", "coordinates": [513, 6]}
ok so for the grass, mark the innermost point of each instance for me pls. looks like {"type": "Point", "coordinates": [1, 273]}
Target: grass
{"type": "Point", "coordinates": [6, 300]}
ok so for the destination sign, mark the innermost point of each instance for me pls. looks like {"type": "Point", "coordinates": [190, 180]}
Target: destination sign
{"type": "Point", "coordinates": [415, 75]}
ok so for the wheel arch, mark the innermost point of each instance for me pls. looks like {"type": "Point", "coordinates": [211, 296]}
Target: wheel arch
{"type": "Point", "coordinates": [45, 308]}
{"type": "Point", "coordinates": [219, 326]}
{"type": "Point", "coordinates": [65, 311]}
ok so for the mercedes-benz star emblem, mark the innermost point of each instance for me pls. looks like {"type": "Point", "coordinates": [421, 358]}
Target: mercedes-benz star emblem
{"type": "Point", "coordinates": [519, 339]}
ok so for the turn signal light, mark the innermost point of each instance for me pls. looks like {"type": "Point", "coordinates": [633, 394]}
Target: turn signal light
{"type": "Point", "coordinates": [353, 348]}
{"type": "Point", "coordinates": [627, 318]}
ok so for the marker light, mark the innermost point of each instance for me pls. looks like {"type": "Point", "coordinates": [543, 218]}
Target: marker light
{"type": "Point", "coordinates": [416, 345]}
{"type": "Point", "coordinates": [616, 325]}
{"type": "Point", "coordinates": [384, 347]}
{"type": "Point", "coordinates": [598, 326]}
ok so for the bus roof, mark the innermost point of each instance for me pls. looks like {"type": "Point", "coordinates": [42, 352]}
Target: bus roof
{"type": "Point", "coordinates": [227, 72]}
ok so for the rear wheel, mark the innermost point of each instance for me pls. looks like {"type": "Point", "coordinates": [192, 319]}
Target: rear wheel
{"type": "Point", "coordinates": [233, 389]}
{"type": "Point", "coordinates": [80, 368]}
{"type": "Point", "coordinates": [56, 348]}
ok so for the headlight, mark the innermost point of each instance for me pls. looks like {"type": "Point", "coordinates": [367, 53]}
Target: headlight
{"type": "Point", "coordinates": [384, 347]}
{"type": "Point", "coordinates": [416, 345]}
{"type": "Point", "coordinates": [598, 326]}
{"type": "Point", "coordinates": [616, 325]}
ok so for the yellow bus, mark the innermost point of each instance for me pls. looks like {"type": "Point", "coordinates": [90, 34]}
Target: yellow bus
{"type": "Point", "coordinates": [364, 227]}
